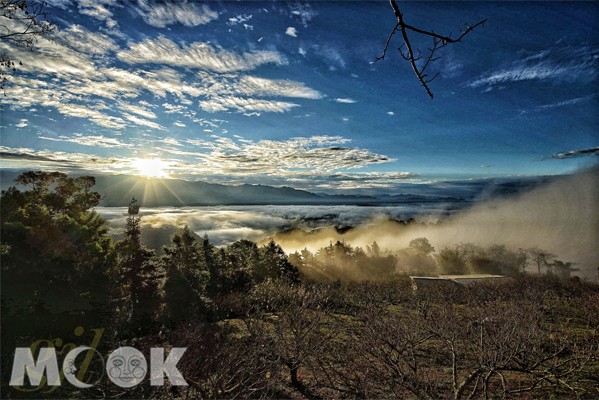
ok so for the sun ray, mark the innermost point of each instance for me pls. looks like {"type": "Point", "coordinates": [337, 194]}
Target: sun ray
{"type": "Point", "coordinates": [150, 167]}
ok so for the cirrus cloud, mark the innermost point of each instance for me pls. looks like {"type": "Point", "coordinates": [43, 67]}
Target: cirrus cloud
{"type": "Point", "coordinates": [162, 14]}
{"type": "Point", "coordinates": [198, 55]}
{"type": "Point", "coordinates": [564, 64]}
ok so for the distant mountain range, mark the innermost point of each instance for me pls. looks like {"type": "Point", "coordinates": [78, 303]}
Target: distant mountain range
{"type": "Point", "coordinates": [152, 192]}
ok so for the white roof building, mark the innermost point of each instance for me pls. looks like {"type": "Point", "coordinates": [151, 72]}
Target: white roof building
{"type": "Point", "coordinates": [463, 280]}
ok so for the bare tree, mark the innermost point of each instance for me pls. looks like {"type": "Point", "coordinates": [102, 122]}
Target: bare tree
{"type": "Point", "coordinates": [297, 335]}
{"type": "Point", "coordinates": [539, 257]}
{"type": "Point", "coordinates": [419, 61]}
{"type": "Point", "coordinates": [22, 22]}
{"type": "Point", "coordinates": [225, 362]}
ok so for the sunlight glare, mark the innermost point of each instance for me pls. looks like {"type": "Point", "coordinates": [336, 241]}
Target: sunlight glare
{"type": "Point", "coordinates": [150, 167]}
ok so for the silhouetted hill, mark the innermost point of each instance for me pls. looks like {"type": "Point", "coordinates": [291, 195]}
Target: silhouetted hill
{"type": "Point", "coordinates": [153, 192]}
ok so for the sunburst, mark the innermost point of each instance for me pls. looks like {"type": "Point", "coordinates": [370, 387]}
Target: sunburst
{"type": "Point", "coordinates": [151, 167]}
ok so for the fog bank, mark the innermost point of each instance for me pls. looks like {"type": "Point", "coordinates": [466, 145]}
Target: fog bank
{"type": "Point", "coordinates": [561, 217]}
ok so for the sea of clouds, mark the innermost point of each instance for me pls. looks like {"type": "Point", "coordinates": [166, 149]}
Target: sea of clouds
{"type": "Point", "coordinates": [226, 224]}
{"type": "Point", "coordinates": [560, 216]}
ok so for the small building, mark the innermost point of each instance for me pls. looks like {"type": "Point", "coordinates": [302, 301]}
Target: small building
{"type": "Point", "coordinates": [471, 279]}
{"type": "Point", "coordinates": [453, 280]}
{"type": "Point", "coordinates": [431, 281]}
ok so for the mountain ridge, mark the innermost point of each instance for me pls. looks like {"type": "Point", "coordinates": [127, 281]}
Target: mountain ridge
{"type": "Point", "coordinates": [117, 190]}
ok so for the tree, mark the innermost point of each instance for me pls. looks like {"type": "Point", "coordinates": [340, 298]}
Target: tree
{"type": "Point", "coordinates": [274, 264]}
{"type": "Point", "coordinates": [495, 259]}
{"type": "Point", "coordinates": [418, 61]}
{"type": "Point", "coordinates": [240, 261]}
{"type": "Point", "coordinates": [539, 257]}
{"type": "Point", "coordinates": [22, 23]}
{"type": "Point", "coordinates": [451, 261]}
{"type": "Point", "coordinates": [138, 275]}
{"type": "Point", "coordinates": [563, 269]}
{"type": "Point", "coordinates": [297, 336]}
{"type": "Point", "coordinates": [186, 278]}
{"type": "Point", "coordinates": [374, 250]}
{"type": "Point", "coordinates": [55, 256]}
{"type": "Point", "coordinates": [422, 246]}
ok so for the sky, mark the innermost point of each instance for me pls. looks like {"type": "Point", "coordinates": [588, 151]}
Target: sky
{"type": "Point", "coordinates": [289, 93]}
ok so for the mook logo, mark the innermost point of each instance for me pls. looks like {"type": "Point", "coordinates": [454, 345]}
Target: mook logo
{"type": "Point", "coordinates": [125, 367]}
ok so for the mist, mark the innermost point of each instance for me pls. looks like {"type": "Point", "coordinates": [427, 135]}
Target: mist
{"type": "Point", "coordinates": [226, 224]}
{"type": "Point", "coordinates": [561, 216]}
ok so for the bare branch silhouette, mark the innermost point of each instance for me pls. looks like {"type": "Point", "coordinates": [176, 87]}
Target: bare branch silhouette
{"type": "Point", "coordinates": [439, 41]}
{"type": "Point", "coordinates": [22, 22]}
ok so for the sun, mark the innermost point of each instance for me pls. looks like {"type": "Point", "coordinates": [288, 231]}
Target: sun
{"type": "Point", "coordinates": [150, 167]}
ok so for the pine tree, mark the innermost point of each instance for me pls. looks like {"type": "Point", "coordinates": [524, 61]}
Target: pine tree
{"type": "Point", "coordinates": [139, 275]}
{"type": "Point", "coordinates": [186, 278]}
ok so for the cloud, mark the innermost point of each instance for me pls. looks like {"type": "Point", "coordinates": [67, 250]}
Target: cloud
{"type": "Point", "coordinates": [518, 222]}
{"type": "Point", "coordinates": [98, 9]}
{"type": "Point", "coordinates": [91, 140]}
{"type": "Point", "coordinates": [354, 180]}
{"type": "Point", "coordinates": [254, 86]}
{"type": "Point", "coordinates": [162, 14]}
{"type": "Point", "coordinates": [247, 106]}
{"type": "Point", "coordinates": [197, 55]}
{"type": "Point", "coordinates": [28, 92]}
{"type": "Point", "coordinates": [564, 64]}
{"type": "Point", "coordinates": [72, 71]}
{"type": "Point", "coordinates": [304, 12]}
{"type": "Point", "coordinates": [239, 19]}
{"type": "Point", "coordinates": [62, 4]}
{"type": "Point", "coordinates": [27, 158]}
{"type": "Point", "coordinates": [564, 103]}
{"type": "Point", "coordinates": [316, 162]}
{"type": "Point", "coordinates": [226, 224]}
{"type": "Point", "coordinates": [291, 31]}
{"type": "Point", "coordinates": [293, 157]}
{"type": "Point", "coordinates": [59, 53]}
{"type": "Point", "coordinates": [345, 100]}
{"type": "Point", "coordinates": [593, 151]}
{"type": "Point", "coordinates": [567, 224]}
{"type": "Point", "coordinates": [142, 122]}
{"type": "Point", "coordinates": [141, 111]}
{"type": "Point", "coordinates": [330, 54]}
{"type": "Point", "coordinates": [173, 108]}
{"type": "Point", "coordinates": [82, 40]}
{"type": "Point", "coordinates": [241, 93]}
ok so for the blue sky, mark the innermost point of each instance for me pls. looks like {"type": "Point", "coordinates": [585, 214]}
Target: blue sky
{"type": "Point", "coordinates": [288, 94]}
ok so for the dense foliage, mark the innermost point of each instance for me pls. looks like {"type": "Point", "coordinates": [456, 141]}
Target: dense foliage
{"type": "Point", "coordinates": [258, 323]}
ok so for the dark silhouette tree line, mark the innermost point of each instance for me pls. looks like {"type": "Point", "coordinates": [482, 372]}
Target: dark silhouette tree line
{"type": "Point", "coordinates": [340, 260]}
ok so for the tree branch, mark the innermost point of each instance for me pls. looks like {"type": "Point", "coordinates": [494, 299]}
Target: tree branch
{"type": "Point", "coordinates": [439, 41]}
